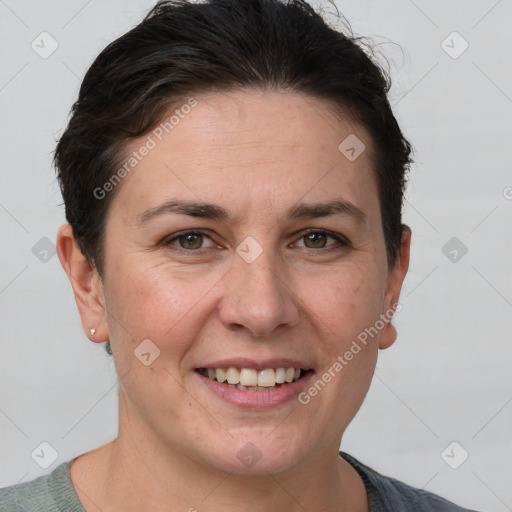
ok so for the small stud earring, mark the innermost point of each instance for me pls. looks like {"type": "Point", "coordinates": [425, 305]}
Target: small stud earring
{"type": "Point", "coordinates": [93, 332]}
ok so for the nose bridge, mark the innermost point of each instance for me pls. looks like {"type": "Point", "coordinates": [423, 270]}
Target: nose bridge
{"type": "Point", "coordinates": [256, 296]}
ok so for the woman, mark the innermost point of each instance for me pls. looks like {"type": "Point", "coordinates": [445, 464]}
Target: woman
{"type": "Point", "coordinates": [233, 178]}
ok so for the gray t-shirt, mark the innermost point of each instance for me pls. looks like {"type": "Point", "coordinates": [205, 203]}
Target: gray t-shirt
{"type": "Point", "coordinates": [55, 493]}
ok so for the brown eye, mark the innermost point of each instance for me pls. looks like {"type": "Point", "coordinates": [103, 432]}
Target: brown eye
{"type": "Point", "coordinates": [317, 240]}
{"type": "Point", "coordinates": [191, 241]}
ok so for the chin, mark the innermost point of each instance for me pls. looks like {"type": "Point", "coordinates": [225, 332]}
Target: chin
{"type": "Point", "coordinates": [256, 454]}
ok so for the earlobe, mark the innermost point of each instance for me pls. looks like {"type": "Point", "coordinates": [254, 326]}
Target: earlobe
{"type": "Point", "coordinates": [395, 280]}
{"type": "Point", "coordinates": [86, 284]}
{"type": "Point", "coordinates": [387, 336]}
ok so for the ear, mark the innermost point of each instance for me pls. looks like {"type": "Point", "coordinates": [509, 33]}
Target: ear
{"type": "Point", "coordinates": [86, 283]}
{"type": "Point", "coordinates": [395, 279]}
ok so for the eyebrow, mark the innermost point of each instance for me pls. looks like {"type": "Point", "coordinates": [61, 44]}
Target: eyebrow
{"type": "Point", "coordinates": [214, 212]}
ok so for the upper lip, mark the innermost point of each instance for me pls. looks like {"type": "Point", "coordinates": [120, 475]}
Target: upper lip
{"type": "Point", "coordinates": [262, 364]}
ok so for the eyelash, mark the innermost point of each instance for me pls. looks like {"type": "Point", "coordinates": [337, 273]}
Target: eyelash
{"type": "Point", "coordinates": [339, 238]}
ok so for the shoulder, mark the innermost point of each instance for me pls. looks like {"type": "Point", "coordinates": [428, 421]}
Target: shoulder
{"type": "Point", "coordinates": [52, 493]}
{"type": "Point", "coordinates": [386, 493]}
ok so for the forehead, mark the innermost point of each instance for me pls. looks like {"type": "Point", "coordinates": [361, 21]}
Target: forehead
{"type": "Point", "coordinates": [252, 149]}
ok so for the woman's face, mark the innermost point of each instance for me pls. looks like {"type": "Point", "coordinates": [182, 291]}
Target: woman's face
{"type": "Point", "coordinates": [248, 287]}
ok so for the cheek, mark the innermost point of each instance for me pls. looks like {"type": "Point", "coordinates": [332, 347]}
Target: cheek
{"type": "Point", "coordinates": [349, 301]}
{"type": "Point", "coordinates": [163, 305]}
{"type": "Point", "coordinates": [348, 308]}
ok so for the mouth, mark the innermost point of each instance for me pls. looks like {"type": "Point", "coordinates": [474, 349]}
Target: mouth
{"type": "Point", "coordinates": [250, 379]}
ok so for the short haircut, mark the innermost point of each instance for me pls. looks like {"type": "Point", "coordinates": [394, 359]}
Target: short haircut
{"type": "Point", "coordinates": [183, 48]}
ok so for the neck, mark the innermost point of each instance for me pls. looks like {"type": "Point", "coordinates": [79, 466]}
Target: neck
{"type": "Point", "coordinates": [135, 472]}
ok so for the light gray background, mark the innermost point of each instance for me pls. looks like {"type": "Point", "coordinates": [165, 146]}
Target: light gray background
{"type": "Point", "coordinates": [447, 378]}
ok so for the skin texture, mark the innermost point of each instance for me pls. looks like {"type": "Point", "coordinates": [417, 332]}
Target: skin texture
{"type": "Point", "coordinates": [256, 154]}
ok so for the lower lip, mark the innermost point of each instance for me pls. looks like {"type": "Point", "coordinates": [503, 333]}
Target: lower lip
{"type": "Point", "coordinates": [257, 399]}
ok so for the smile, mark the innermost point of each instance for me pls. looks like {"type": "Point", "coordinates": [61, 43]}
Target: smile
{"type": "Point", "coordinates": [250, 379]}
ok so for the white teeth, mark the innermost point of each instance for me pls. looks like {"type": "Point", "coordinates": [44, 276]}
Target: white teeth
{"type": "Point", "coordinates": [220, 374]}
{"type": "Point", "coordinates": [233, 376]}
{"type": "Point", "coordinates": [253, 380]}
{"type": "Point", "coordinates": [267, 378]}
{"type": "Point", "coordinates": [248, 377]}
{"type": "Point", "coordinates": [280, 375]}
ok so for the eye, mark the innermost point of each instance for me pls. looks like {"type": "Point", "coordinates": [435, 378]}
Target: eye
{"type": "Point", "coordinates": [314, 239]}
{"type": "Point", "coordinates": [189, 240]}
{"type": "Point", "coordinates": [317, 239]}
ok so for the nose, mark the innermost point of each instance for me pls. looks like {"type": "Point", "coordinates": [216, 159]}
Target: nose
{"type": "Point", "coordinates": [258, 297]}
